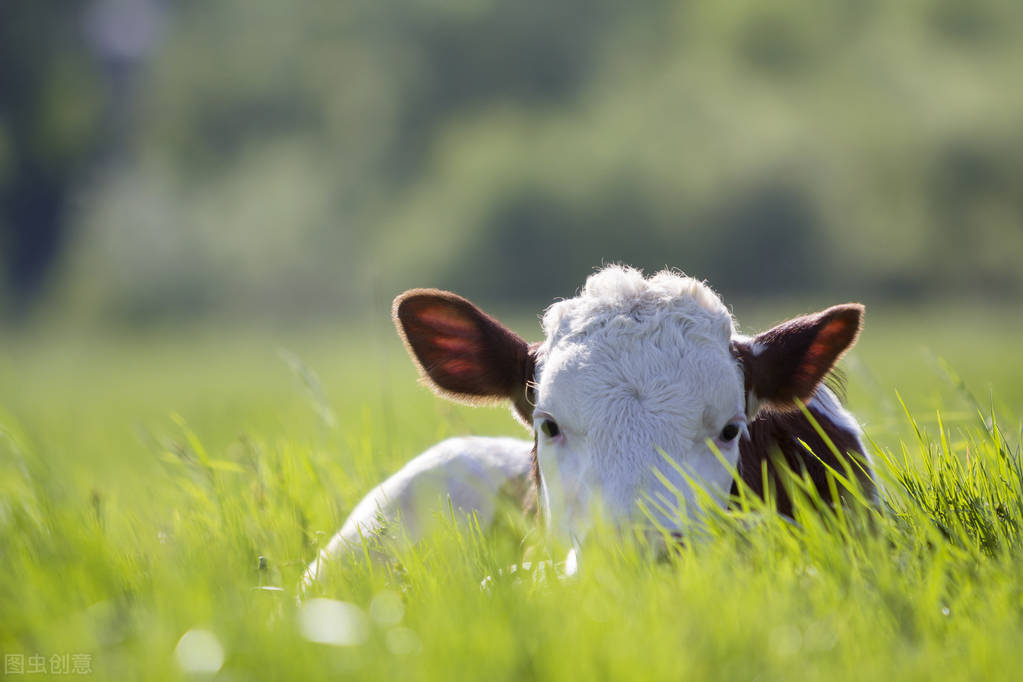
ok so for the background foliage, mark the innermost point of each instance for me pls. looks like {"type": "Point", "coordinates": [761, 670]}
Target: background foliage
{"type": "Point", "coordinates": [206, 207]}
{"type": "Point", "coordinates": [161, 493]}
{"type": "Point", "coordinates": [254, 158]}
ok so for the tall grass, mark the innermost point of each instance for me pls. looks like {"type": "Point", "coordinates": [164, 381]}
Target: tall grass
{"type": "Point", "coordinates": [191, 559]}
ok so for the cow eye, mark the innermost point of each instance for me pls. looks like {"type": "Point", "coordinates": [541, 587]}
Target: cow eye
{"type": "Point", "coordinates": [550, 428]}
{"type": "Point", "coordinates": [730, 432]}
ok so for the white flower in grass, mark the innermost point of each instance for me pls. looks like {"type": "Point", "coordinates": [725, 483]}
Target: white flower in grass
{"type": "Point", "coordinates": [386, 609]}
{"type": "Point", "coordinates": [328, 621]}
{"type": "Point", "coordinates": [199, 651]}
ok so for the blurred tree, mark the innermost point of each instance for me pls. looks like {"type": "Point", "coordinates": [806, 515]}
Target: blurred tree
{"type": "Point", "coordinates": [299, 158]}
{"type": "Point", "coordinates": [49, 106]}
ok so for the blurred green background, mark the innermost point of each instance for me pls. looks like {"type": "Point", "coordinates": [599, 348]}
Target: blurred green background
{"type": "Point", "coordinates": [206, 207]}
{"type": "Point", "coordinates": [259, 160]}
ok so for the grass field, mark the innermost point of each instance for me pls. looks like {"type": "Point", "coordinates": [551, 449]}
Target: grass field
{"type": "Point", "coordinates": [161, 492]}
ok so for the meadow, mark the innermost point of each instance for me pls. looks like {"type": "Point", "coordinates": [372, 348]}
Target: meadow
{"type": "Point", "coordinates": [161, 492]}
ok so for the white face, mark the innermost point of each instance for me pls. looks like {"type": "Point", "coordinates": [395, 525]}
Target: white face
{"type": "Point", "coordinates": [630, 369]}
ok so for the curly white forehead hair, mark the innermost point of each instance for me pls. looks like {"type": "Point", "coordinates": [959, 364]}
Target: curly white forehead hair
{"type": "Point", "coordinates": [619, 296]}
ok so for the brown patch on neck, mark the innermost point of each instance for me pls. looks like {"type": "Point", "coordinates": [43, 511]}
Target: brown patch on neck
{"type": "Point", "coordinates": [774, 441]}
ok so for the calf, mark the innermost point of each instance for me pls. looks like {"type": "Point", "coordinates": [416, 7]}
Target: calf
{"type": "Point", "coordinates": [632, 369]}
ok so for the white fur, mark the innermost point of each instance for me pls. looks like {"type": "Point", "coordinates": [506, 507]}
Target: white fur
{"type": "Point", "coordinates": [632, 370]}
{"type": "Point", "coordinates": [469, 471]}
{"type": "Point", "coordinates": [632, 367]}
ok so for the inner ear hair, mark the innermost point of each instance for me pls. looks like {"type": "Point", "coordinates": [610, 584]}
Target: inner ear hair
{"type": "Point", "coordinates": [788, 362]}
{"type": "Point", "coordinates": [461, 352]}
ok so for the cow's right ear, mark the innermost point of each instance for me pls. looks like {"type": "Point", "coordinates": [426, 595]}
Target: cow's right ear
{"type": "Point", "coordinates": [462, 353]}
{"type": "Point", "coordinates": [787, 363]}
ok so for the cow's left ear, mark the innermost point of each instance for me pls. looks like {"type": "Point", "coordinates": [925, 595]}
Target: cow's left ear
{"type": "Point", "coordinates": [788, 362]}
{"type": "Point", "coordinates": [462, 353]}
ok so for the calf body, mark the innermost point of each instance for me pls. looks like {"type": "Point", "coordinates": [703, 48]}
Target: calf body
{"type": "Point", "coordinates": [471, 474]}
{"type": "Point", "coordinates": [631, 370]}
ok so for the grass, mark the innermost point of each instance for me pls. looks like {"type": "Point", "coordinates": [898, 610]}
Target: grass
{"type": "Point", "coordinates": [161, 493]}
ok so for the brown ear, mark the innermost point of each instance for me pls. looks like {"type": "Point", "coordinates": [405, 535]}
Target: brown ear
{"type": "Point", "coordinates": [463, 353]}
{"type": "Point", "coordinates": [788, 362]}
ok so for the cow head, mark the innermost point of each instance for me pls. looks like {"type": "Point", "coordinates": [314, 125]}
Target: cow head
{"type": "Point", "coordinates": [632, 369]}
